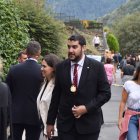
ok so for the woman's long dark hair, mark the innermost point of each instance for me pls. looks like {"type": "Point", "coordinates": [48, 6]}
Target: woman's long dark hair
{"type": "Point", "coordinates": [108, 61]}
{"type": "Point", "coordinates": [136, 75]}
{"type": "Point", "coordinates": [52, 60]}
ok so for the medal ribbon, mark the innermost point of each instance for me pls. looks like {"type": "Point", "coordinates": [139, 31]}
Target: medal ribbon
{"type": "Point", "coordinates": [75, 75]}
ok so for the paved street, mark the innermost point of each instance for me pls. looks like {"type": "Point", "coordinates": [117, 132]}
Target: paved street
{"type": "Point", "coordinates": [110, 130]}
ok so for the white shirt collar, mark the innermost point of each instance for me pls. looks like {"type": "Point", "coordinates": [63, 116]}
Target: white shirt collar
{"type": "Point", "coordinates": [32, 59]}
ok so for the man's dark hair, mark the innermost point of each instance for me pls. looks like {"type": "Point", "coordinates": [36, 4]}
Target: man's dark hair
{"type": "Point", "coordinates": [108, 61]}
{"type": "Point", "coordinates": [20, 53]}
{"type": "Point", "coordinates": [136, 75]}
{"type": "Point", "coordinates": [33, 48]}
{"type": "Point", "coordinates": [128, 61]}
{"type": "Point", "coordinates": [52, 60]}
{"type": "Point", "coordinates": [81, 39]}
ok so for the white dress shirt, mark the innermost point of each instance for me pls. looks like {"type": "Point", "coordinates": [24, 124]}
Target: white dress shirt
{"type": "Point", "coordinates": [79, 68]}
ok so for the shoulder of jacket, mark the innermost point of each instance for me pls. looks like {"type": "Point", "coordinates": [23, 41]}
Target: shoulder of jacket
{"type": "Point", "coordinates": [93, 61]}
{"type": "Point", "coordinates": [63, 63]}
{"type": "Point", "coordinates": [3, 84]}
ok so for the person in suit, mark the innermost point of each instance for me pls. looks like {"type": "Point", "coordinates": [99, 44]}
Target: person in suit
{"type": "Point", "coordinates": [81, 88]}
{"type": "Point", "coordinates": [5, 111]}
{"type": "Point", "coordinates": [22, 56]}
{"type": "Point", "coordinates": [48, 67]}
{"type": "Point", "coordinates": [25, 80]}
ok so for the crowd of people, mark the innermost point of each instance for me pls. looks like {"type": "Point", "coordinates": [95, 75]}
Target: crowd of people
{"type": "Point", "coordinates": [63, 99]}
{"type": "Point", "coordinates": [126, 64]}
{"type": "Point", "coordinates": [68, 94]}
{"type": "Point", "coordinates": [129, 109]}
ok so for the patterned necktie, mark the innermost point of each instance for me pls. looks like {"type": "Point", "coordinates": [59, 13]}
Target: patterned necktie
{"type": "Point", "coordinates": [75, 75]}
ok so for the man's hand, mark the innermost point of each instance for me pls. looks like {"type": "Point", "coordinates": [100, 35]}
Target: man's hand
{"type": "Point", "coordinates": [78, 111]}
{"type": "Point", "coordinates": [50, 131]}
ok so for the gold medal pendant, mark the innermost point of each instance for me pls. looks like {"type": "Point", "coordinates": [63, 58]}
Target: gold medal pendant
{"type": "Point", "coordinates": [73, 88]}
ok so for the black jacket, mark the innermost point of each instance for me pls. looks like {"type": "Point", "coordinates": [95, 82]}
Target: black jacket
{"type": "Point", "coordinates": [93, 91]}
{"type": "Point", "coordinates": [4, 110]}
{"type": "Point", "coordinates": [24, 81]}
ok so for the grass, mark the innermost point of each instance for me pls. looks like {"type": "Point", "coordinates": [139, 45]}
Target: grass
{"type": "Point", "coordinates": [90, 49]}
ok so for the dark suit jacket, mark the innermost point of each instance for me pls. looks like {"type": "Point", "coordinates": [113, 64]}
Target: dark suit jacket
{"type": "Point", "coordinates": [93, 92]}
{"type": "Point", "coordinates": [24, 81]}
{"type": "Point", "coordinates": [4, 110]}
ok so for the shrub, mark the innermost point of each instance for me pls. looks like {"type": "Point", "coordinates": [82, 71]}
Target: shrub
{"type": "Point", "coordinates": [112, 42]}
{"type": "Point", "coordinates": [13, 33]}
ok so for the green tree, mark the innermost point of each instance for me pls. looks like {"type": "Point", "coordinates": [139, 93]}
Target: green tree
{"type": "Point", "coordinates": [13, 33]}
{"type": "Point", "coordinates": [112, 42]}
{"type": "Point", "coordinates": [42, 27]}
{"type": "Point", "coordinates": [128, 33]}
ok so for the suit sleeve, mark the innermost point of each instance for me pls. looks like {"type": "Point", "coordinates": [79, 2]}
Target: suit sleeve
{"type": "Point", "coordinates": [53, 109]}
{"type": "Point", "coordinates": [103, 91]}
{"type": "Point", "coordinates": [9, 79]}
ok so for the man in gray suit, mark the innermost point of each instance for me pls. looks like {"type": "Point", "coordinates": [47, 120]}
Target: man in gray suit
{"type": "Point", "coordinates": [81, 88]}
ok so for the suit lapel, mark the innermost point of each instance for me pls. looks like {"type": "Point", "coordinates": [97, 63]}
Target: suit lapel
{"type": "Point", "coordinates": [84, 73]}
{"type": "Point", "coordinates": [67, 72]}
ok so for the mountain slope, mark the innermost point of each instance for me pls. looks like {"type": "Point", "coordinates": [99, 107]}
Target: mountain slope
{"type": "Point", "coordinates": [128, 8]}
{"type": "Point", "coordinates": [84, 9]}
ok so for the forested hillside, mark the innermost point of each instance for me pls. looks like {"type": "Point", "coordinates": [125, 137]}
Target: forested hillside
{"type": "Point", "coordinates": [84, 9]}
{"type": "Point", "coordinates": [130, 7]}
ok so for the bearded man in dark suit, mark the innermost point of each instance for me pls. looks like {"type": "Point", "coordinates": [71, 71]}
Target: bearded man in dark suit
{"type": "Point", "coordinates": [81, 88]}
{"type": "Point", "coordinates": [24, 80]}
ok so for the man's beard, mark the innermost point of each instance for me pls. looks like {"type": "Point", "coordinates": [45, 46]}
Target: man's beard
{"type": "Point", "coordinates": [74, 58]}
